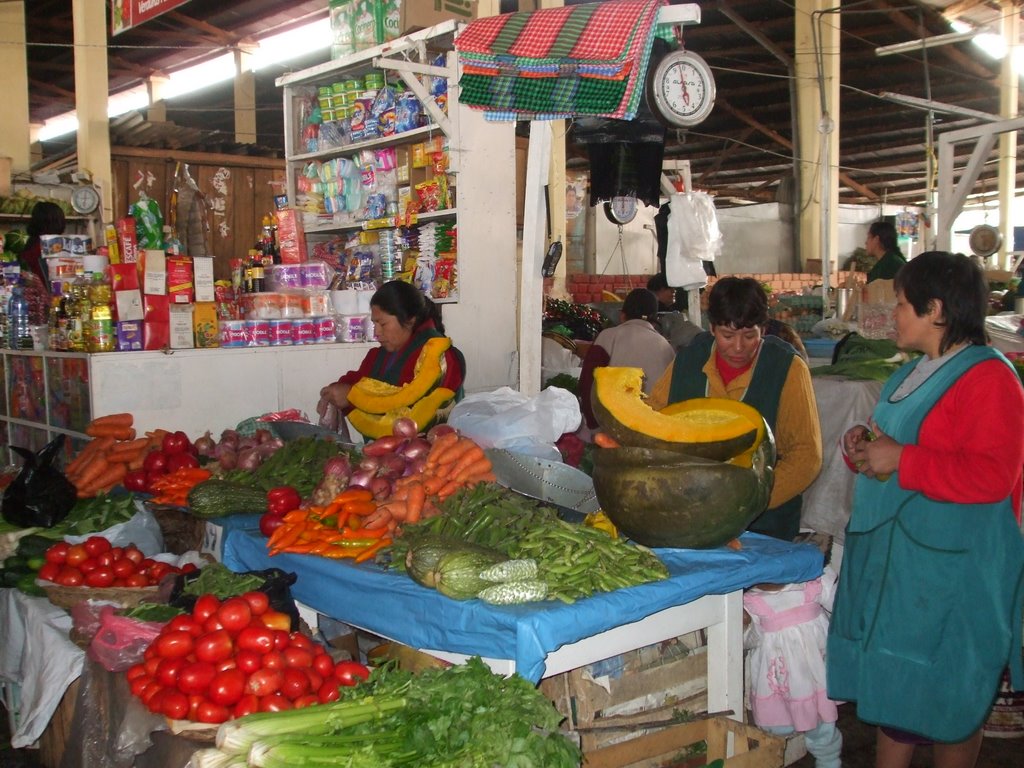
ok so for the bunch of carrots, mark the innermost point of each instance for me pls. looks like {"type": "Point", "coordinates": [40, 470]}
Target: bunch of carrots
{"type": "Point", "coordinates": [113, 450]}
{"type": "Point", "coordinates": [335, 530]}
{"type": "Point", "coordinates": [454, 461]}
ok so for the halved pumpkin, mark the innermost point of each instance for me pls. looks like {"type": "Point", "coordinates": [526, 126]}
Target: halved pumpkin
{"type": "Point", "coordinates": [669, 499]}
{"type": "Point", "coordinates": [379, 397]}
{"type": "Point", "coordinates": [715, 428]}
{"type": "Point", "coordinates": [422, 412]}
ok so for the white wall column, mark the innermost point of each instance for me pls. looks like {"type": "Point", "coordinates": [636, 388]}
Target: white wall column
{"type": "Point", "coordinates": [1009, 91]}
{"type": "Point", "coordinates": [817, 72]}
{"type": "Point", "coordinates": [245, 95]}
{"type": "Point", "coordinates": [92, 95]}
{"type": "Point", "coordinates": [156, 112]}
{"type": "Point", "coordinates": [14, 128]}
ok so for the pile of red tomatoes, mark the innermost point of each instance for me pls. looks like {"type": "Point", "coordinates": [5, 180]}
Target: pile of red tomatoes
{"type": "Point", "coordinates": [232, 658]}
{"type": "Point", "coordinates": [95, 563]}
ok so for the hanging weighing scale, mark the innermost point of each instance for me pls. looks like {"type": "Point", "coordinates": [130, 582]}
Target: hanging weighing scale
{"type": "Point", "coordinates": [621, 209]}
{"type": "Point", "coordinates": [681, 88]}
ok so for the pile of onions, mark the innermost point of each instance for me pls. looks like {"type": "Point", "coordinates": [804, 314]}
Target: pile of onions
{"type": "Point", "coordinates": [235, 451]}
{"type": "Point", "coordinates": [403, 452]}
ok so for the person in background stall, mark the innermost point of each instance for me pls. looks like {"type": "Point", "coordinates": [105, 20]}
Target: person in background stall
{"type": "Point", "coordinates": [403, 320]}
{"type": "Point", "coordinates": [673, 317]}
{"type": "Point", "coordinates": [47, 219]}
{"type": "Point", "coordinates": [634, 343]}
{"type": "Point", "coordinates": [737, 360]}
{"type": "Point", "coordinates": [665, 294]}
{"type": "Point", "coordinates": [785, 331]}
{"type": "Point", "coordinates": [929, 604]}
{"type": "Point", "coordinates": [882, 244]}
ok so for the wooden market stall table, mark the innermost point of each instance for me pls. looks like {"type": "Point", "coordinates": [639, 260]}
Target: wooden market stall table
{"type": "Point", "coordinates": [703, 591]}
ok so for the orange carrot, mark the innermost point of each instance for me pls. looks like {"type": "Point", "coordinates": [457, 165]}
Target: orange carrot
{"type": "Point", "coordinates": [478, 467]}
{"type": "Point", "coordinates": [139, 461]}
{"type": "Point", "coordinates": [127, 451]}
{"type": "Point", "coordinates": [361, 508]}
{"type": "Point", "coordinates": [80, 460]}
{"type": "Point", "coordinates": [417, 498]}
{"type": "Point", "coordinates": [605, 441]}
{"type": "Point", "coordinates": [482, 477]}
{"type": "Point", "coordinates": [111, 430]}
{"type": "Point", "coordinates": [471, 456]}
{"type": "Point", "coordinates": [90, 472]}
{"type": "Point", "coordinates": [456, 451]}
{"type": "Point", "coordinates": [355, 493]}
{"type": "Point", "coordinates": [369, 552]}
{"type": "Point", "coordinates": [111, 476]}
{"type": "Point", "coordinates": [434, 483]}
{"type": "Point", "coordinates": [378, 519]}
{"type": "Point", "coordinates": [442, 444]}
{"type": "Point", "coordinates": [113, 419]}
{"type": "Point", "coordinates": [448, 489]}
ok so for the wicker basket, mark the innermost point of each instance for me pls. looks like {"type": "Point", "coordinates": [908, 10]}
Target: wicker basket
{"type": "Point", "coordinates": [127, 597]}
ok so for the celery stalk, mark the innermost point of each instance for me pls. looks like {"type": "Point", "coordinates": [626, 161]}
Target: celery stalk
{"type": "Point", "coordinates": [238, 736]}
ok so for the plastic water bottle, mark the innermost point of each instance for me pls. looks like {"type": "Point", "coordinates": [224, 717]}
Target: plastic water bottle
{"type": "Point", "coordinates": [19, 333]}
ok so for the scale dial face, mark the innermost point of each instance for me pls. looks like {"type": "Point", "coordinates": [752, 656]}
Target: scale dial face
{"type": "Point", "coordinates": [85, 200]}
{"type": "Point", "coordinates": [621, 209]}
{"type": "Point", "coordinates": [984, 240]}
{"type": "Point", "coordinates": [682, 88]}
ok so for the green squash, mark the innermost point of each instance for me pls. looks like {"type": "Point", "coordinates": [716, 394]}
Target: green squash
{"type": "Point", "coordinates": [669, 499]}
{"type": "Point", "coordinates": [458, 573]}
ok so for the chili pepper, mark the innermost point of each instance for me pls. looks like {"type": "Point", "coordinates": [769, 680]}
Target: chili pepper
{"type": "Point", "coordinates": [283, 499]}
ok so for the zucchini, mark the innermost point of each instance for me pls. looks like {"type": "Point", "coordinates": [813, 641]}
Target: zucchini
{"type": "Point", "coordinates": [221, 498]}
{"type": "Point", "coordinates": [511, 570]}
{"type": "Point", "coordinates": [34, 545]}
{"type": "Point", "coordinates": [514, 592]}
{"type": "Point", "coordinates": [458, 573]}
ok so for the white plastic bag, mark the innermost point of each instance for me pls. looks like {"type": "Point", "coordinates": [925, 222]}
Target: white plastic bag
{"type": "Point", "coordinates": [693, 237]}
{"type": "Point", "coordinates": [508, 419]}
{"type": "Point", "coordinates": [142, 530]}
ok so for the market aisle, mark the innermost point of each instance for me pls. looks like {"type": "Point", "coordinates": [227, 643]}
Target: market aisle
{"type": "Point", "coordinates": [859, 747]}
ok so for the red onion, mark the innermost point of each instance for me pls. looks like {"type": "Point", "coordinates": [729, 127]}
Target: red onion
{"type": "Point", "coordinates": [263, 436]}
{"type": "Point", "coordinates": [227, 458]}
{"type": "Point", "coordinates": [337, 466]}
{"type": "Point", "coordinates": [437, 430]}
{"type": "Point", "coordinates": [205, 444]}
{"type": "Point", "coordinates": [266, 450]}
{"type": "Point", "coordinates": [416, 466]}
{"type": "Point", "coordinates": [248, 458]}
{"type": "Point", "coordinates": [229, 436]}
{"type": "Point", "coordinates": [382, 446]}
{"type": "Point", "coordinates": [415, 447]}
{"type": "Point", "coordinates": [361, 478]}
{"type": "Point", "coordinates": [369, 463]}
{"type": "Point", "coordinates": [404, 427]}
{"type": "Point", "coordinates": [392, 466]}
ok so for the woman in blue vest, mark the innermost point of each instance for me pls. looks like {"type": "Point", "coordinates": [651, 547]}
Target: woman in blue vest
{"type": "Point", "coordinates": [737, 360]}
{"type": "Point", "coordinates": [929, 605]}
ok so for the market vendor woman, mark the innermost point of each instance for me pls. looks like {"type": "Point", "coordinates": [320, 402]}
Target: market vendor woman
{"type": "Point", "coordinates": [737, 360]}
{"type": "Point", "coordinates": [404, 320]}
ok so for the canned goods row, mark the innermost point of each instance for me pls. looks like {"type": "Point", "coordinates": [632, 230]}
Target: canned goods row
{"type": "Point", "coordinates": [277, 333]}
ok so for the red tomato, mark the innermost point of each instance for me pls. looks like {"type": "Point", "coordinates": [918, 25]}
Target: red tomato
{"type": "Point", "coordinates": [323, 664]}
{"type": "Point", "coordinates": [264, 682]}
{"type": "Point", "coordinates": [136, 580]}
{"type": "Point", "coordinates": [227, 687]}
{"type": "Point", "coordinates": [149, 691]}
{"type": "Point", "coordinates": [175, 442]}
{"type": "Point", "coordinates": [299, 640]}
{"type": "Point", "coordinates": [328, 692]}
{"type": "Point", "coordinates": [208, 712]}
{"type": "Point", "coordinates": [96, 545]}
{"type": "Point", "coordinates": [246, 705]}
{"type": "Point", "coordinates": [206, 605]}
{"type": "Point", "coordinates": [228, 663]}
{"type": "Point", "coordinates": [175, 644]}
{"type": "Point", "coordinates": [277, 620]}
{"type": "Point", "coordinates": [136, 480]}
{"type": "Point", "coordinates": [139, 684]}
{"type": "Point", "coordinates": [212, 624]}
{"type": "Point", "coordinates": [297, 657]}
{"type": "Point", "coordinates": [256, 638]}
{"type": "Point", "coordinates": [105, 558]}
{"type": "Point", "coordinates": [275, 702]}
{"type": "Point", "coordinates": [269, 522]}
{"type": "Point", "coordinates": [178, 461]}
{"type": "Point", "coordinates": [69, 577]}
{"type": "Point", "coordinates": [88, 565]}
{"type": "Point", "coordinates": [258, 602]}
{"type": "Point", "coordinates": [155, 702]}
{"type": "Point", "coordinates": [281, 640]}
{"type": "Point", "coordinates": [174, 705]}
{"type": "Point", "coordinates": [350, 672]}
{"type": "Point", "coordinates": [306, 700]}
{"type": "Point", "coordinates": [248, 661]}
{"type": "Point", "coordinates": [184, 623]}
{"type": "Point", "coordinates": [294, 684]}
{"type": "Point", "coordinates": [194, 700]}
{"type": "Point", "coordinates": [134, 671]}
{"type": "Point", "coordinates": [76, 555]}
{"type": "Point", "coordinates": [134, 554]}
{"type": "Point", "coordinates": [153, 475]}
{"type": "Point", "coordinates": [58, 553]}
{"type": "Point", "coordinates": [234, 614]}
{"type": "Point", "coordinates": [189, 568]}
{"type": "Point", "coordinates": [214, 646]}
{"type": "Point", "coordinates": [273, 660]}
{"type": "Point", "coordinates": [117, 552]}
{"type": "Point", "coordinates": [101, 576]}
{"type": "Point", "coordinates": [315, 680]}
{"type": "Point", "coordinates": [155, 461]}
{"type": "Point", "coordinates": [196, 677]}
{"type": "Point", "coordinates": [167, 671]}
{"type": "Point", "coordinates": [152, 657]}
{"type": "Point", "coordinates": [157, 571]}
{"type": "Point", "coordinates": [49, 571]}
{"type": "Point", "coordinates": [123, 567]}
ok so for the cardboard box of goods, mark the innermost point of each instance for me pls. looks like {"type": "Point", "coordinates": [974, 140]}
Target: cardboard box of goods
{"type": "Point", "coordinates": [180, 280]}
{"type": "Point", "coordinates": [202, 272]}
{"type": "Point", "coordinates": [205, 327]}
{"type": "Point", "coordinates": [419, 14]}
{"type": "Point", "coordinates": [157, 321]}
{"type": "Point", "coordinates": [181, 326]}
{"type": "Point", "coordinates": [129, 336]}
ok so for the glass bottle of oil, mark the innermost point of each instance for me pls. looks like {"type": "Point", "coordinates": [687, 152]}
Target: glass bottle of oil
{"type": "Point", "coordinates": [76, 333]}
{"type": "Point", "coordinates": [101, 296]}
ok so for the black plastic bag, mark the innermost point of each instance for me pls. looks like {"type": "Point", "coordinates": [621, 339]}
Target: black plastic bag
{"type": "Point", "coordinates": [276, 585]}
{"type": "Point", "coordinates": [40, 495]}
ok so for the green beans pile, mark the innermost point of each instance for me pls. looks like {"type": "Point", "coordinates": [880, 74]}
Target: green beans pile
{"type": "Point", "coordinates": [298, 463]}
{"type": "Point", "coordinates": [577, 561]}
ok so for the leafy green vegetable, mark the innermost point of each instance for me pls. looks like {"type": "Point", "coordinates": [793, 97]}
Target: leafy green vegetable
{"type": "Point", "coordinates": [95, 514]}
{"type": "Point", "coordinates": [219, 580]}
{"type": "Point", "coordinates": [564, 381]}
{"type": "Point", "coordinates": [152, 612]}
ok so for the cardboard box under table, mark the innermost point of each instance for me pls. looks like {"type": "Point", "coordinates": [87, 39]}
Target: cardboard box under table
{"type": "Point", "coordinates": [703, 591]}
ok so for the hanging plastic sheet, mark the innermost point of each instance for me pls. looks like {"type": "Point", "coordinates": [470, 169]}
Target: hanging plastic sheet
{"type": "Point", "coordinates": [693, 237]}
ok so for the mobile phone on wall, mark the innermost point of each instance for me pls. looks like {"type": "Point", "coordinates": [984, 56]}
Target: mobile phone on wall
{"type": "Point", "coordinates": [551, 259]}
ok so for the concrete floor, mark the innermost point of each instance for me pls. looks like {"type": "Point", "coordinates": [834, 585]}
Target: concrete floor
{"type": "Point", "coordinates": [859, 747]}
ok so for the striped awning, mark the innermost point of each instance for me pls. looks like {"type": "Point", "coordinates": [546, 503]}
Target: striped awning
{"type": "Point", "coordinates": [559, 62]}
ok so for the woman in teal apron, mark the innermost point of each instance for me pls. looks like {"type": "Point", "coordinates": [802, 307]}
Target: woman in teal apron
{"type": "Point", "coordinates": [403, 321]}
{"type": "Point", "coordinates": [929, 606]}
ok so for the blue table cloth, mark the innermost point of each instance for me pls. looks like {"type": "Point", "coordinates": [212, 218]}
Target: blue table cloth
{"type": "Point", "coordinates": [393, 605]}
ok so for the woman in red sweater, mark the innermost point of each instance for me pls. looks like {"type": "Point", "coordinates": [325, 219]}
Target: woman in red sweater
{"type": "Point", "coordinates": [403, 320]}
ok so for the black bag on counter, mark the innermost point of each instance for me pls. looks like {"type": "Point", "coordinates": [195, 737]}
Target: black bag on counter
{"type": "Point", "coordinates": [40, 495]}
